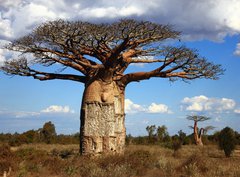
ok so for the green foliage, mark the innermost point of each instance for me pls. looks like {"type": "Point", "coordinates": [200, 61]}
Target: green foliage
{"type": "Point", "coordinates": [151, 133]}
{"type": "Point", "coordinates": [237, 135]}
{"type": "Point", "coordinates": [198, 118]}
{"type": "Point", "coordinates": [184, 139]}
{"type": "Point", "coordinates": [162, 134]}
{"type": "Point", "coordinates": [48, 132]}
{"type": "Point", "coordinates": [227, 141]}
{"type": "Point", "coordinates": [151, 129]}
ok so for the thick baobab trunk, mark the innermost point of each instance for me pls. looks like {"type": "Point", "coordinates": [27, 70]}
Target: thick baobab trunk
{"type": "Point", "coordinates": [198, 135]}
{"type": "Point", "coordinates": [102, 118]}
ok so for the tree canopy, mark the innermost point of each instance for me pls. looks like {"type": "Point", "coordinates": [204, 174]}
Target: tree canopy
{"type": "Point", "coordinates": [197, 118]}
{"type": "Point", "coordinates": [94, 49]}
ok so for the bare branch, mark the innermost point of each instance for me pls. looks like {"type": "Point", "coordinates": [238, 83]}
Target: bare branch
{"type": "Point", "coordinates": [181, 63]}
{"type": "Point", "coordinates": [89, 48]}
{"type": "Point", "coordinates": [21, 68]}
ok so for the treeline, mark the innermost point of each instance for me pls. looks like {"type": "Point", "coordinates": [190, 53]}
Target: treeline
{"type": "Point", "coordinates": [46, 134]}
{"type": "Point", "coordinates": [159, 135]}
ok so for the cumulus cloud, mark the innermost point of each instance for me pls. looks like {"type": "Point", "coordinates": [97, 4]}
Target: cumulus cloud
{"type": "Point", "coordinates": [158, 108]}
{"type": "Point", "coordinates": [57, 109]}
{"type": "Point", "coordinates": [203, 103]}
{"type": "Point", "coordinates": [131, 107]}
{"type": "Point", "coordinates": [197, 19]}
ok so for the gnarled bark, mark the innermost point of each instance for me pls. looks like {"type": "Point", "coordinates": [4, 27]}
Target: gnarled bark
{"type": "Point", "coordinates": [102, 118]}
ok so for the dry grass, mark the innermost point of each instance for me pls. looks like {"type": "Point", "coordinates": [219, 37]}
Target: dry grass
{"type": "Point", "coordinates": [47, 147]}
{"type": "Point", "coordinates": [147, 161]}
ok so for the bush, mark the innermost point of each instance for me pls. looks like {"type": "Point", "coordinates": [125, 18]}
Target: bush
{"type": "Point", "coordinates": [176, 145]}
{"type": "Point", "coordinates": [227, 141]}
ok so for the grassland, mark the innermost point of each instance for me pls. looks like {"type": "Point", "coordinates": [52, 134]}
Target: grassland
{"type": "Point", "coordinates": [41, 160]}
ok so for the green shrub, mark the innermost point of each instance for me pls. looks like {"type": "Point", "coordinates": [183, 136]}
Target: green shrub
{"type": "Point", "coordinates": [227, 141]}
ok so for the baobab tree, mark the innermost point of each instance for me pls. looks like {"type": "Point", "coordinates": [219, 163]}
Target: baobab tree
{"type": "Point", "coordinates": [100, 55]}
{"type": "Point", "coordinates": [199, 132]}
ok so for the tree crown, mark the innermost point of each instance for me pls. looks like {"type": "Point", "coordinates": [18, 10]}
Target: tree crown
{"type": "Point", "coordinates": [103, 50]}
{"type": "Point", "coordinates": [198, 118]}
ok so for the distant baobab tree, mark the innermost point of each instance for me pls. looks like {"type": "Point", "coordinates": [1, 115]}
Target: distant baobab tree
{"type": "Point", "coordinates": [98, 55]}
{"type": "Point", "coordinates": [199, 132]}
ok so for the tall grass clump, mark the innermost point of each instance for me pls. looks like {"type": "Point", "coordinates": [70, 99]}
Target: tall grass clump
{"type": "Point", "coordinates": [6, 159]}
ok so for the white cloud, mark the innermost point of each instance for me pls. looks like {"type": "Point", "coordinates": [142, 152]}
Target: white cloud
{"type": "Point", "coordinates": [57, 109]}
{"type": "Point", "coordinates": [237, 51]}
{"type": "Point", "coordinates": [111, 12]}
{"type": "Point", "coordinates": [53, 109]}
{"type": "Point", "coordinates": [237, 111]}
{"type": "Point", "coordinates": [18, 114]}
{"type": "Point", "coordinates": [5, 27]}
{"type": "Point", "coordinates": [206, 19]}
{"type": "Point", "coordinates": [212, 19]}
{"type": "Point", "coordinates": [9, 3]}
{"type": "Point", "coordinates": [6, 54]}
{"type": "Point", "coordinates": [195, 103]}
{"type": "Point", "coordinates": [2, 57]}
{"type": "Point", "coordinates": [158, 108]}
{"type": "Point", "coordinates": [26, 114]}
{"type": "Point", "coordinates": [131, 107]}
{"type": "Point", "coordinates": [203, 103]}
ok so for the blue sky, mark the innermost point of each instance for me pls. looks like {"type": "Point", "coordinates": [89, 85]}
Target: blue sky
{"type": "Point", "coordinates": [211, 26]}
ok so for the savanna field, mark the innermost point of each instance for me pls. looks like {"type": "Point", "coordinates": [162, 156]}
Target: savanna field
{"type": "Point", "coordinates": [53, 160]}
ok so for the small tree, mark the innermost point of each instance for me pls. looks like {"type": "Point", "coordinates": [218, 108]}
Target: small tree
{"type": "Point", "coordinates": [48, 132]}
{"type": "Point", "coordinates": [182, 137]}
{"type": "Point", "coordinates": [227, 141]}
{"type": "Point", "coordinates": [151, 132]}
{"type": "Point", "coordinates": [199, 132]}
{"type": "Point", "coordinates": [162, 133]}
